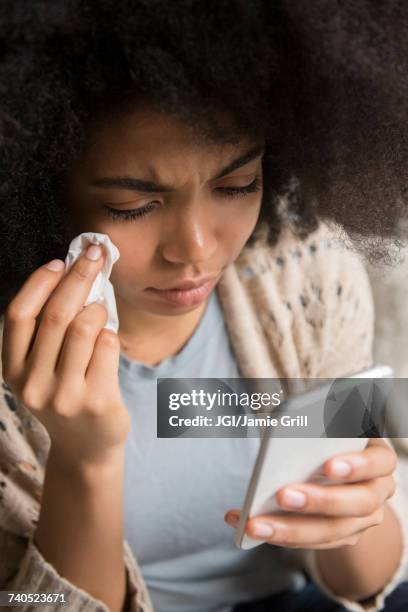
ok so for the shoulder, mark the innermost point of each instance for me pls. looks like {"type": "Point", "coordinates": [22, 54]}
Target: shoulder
{"type": "Point", "coordinates": [319, 293]}
{"type": "Point", "coordinates": [324, 256]}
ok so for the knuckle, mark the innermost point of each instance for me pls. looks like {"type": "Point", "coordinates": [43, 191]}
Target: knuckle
{"type": "Point", "coordinates": [54, 318]}
{"type": "Point", "coordinates": [30, 397]}
{"type": "Point", "coordinates": [289, 536]}
{"type": "Point", "coordinates": [98, 406]}
{"type": "Point", "coordinates": [109, 338]}
{"type": "Point", "coordinates": [14, 313]}
{"type": "Point", "coordinates": [59, 406]}
{"type": "Point", "coordinates": [97, 313]}
{"type": "Point", "coordinates": [82, 271]}
{"type": "Point", "coordinates": [100, 309]}
{"type": "Point", "coordinates": [64, 402]}
{"type": "Point", "coordinates": [328, 502]}
{"type": "Point", "coordinates": [81, 328]}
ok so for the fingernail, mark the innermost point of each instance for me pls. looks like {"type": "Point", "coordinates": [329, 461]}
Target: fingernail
{"type": "Point", "coordinates": [55, 265]}
{"type": "Point", "coordinates": [263, 530]}
{"type": "Point", "coordinates": [233, 519]}
{"type": "Point", "coordinates": [294, 498]}
{"type": "Point", "coordinates": [93, 252]}
{"type": "Point", "coordinates": [341, 468]}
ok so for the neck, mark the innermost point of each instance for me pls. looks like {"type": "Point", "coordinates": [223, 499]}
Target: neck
{"type": "Point", "coordinates": [151, 337]}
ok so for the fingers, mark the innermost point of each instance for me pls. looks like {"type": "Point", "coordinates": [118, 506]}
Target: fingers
{"type": "Point", "coordinates": [376, 460]}
{"type": "Point", "coordinates": [63, 306]}
{"type": "Point", "coordinates": [330, 516]}
{"type": "Point", "coordinates": [21, 341]}
{"type": "Point", "coordinates": [355, 499]}
{"type": "Point", "coordinates": [307, 531]}
{"type": "Point", "coordinates": [79, 344]}
{"type": "Point", "coordinates": [104, 363]}
{"type": "Point", "coordinates": [20, 319]}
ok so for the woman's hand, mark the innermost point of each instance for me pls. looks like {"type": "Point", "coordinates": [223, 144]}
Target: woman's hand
{"type": "Point", "coordinates": [65, 369]}
{"type": "Point", "coordinates": [330, 516]}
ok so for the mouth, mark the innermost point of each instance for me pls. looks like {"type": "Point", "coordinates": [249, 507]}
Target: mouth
{"type": "Point", "coordinates": [187, 293]}
{"type": "Point", "coordinates": [186, 284]}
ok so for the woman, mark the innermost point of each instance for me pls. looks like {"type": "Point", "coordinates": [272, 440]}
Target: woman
{"type": "Point", "coordinates": [196, 140]}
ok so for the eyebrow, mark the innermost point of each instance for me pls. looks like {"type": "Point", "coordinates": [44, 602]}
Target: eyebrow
{"type": "Point", "coordinates": [135, 184]}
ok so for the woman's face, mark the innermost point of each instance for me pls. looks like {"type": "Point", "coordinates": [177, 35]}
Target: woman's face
{"type": "Point", "coordinates": [176, 208]}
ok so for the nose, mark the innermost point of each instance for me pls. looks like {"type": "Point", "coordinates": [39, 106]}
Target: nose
{"type": "Point", "coordinates": [190, 238]}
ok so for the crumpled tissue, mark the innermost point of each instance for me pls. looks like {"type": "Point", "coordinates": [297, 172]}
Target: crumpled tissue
{"type": "Point", "coordinates": [102, 289]}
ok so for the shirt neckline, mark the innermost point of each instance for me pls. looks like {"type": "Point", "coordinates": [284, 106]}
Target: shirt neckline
{"type": "Point", "coordinates": [197, 338]}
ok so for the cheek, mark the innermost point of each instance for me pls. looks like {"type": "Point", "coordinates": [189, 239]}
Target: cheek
{"type": "Point", "coordinates": [235, 230]}
{"type": "Point", "coordinates": [240, 222]}
{"type": "Point", "coordinates": [136, 255]}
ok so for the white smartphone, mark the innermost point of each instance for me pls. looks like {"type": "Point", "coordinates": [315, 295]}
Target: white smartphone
{"type": "Point", "coordinates": [284, 460]}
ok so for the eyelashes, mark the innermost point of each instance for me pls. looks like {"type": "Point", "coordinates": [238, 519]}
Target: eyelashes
{"type": "Point", "coordinates": [241, 191]}
{"type": "Point", "coordinates": [129, 214]}
{"type": "Point", "coordinates": [229, 192]}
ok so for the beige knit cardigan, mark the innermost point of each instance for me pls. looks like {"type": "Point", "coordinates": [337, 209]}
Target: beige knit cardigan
{"type": "Point", "coordinates": [299, 309]}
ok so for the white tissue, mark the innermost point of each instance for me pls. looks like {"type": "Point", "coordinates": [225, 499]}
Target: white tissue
{"type": "Point", "coordinates": [102, 289]}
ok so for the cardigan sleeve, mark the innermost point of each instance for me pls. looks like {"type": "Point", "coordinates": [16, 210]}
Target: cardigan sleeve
{"type": "Point", "coordinates": [35, 575]}
{"type": "Point", "coordinates": [348, 348]}
{"type": "Point", "coordinates": [22, 566]}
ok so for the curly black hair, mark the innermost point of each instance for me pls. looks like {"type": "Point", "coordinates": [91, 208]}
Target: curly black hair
{"type": "Point", "coordinates": [324, 83]}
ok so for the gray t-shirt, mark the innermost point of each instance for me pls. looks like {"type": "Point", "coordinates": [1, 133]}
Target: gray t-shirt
{"type": "Point", "coordinates": [178, 489]}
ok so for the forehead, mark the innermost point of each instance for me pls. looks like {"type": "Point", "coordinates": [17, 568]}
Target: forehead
{"type": "Point", "coordinates": [154, 141]}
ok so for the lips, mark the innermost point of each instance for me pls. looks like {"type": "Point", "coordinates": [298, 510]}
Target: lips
{"type": "Point", "coordinates": [186, 297]}
{"type": "Point", "coordinates": [185, 285]}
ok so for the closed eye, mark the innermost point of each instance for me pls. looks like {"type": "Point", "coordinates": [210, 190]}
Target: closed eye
{"type": "Point", "coordinates": [135, 213]}
{"type": "Point", "coordinates": [254, 186]}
